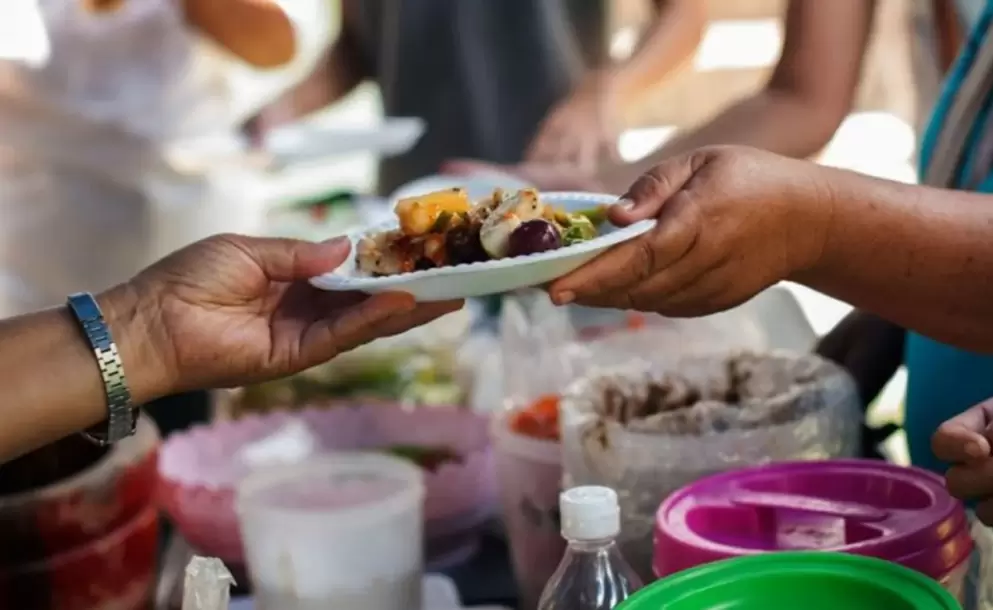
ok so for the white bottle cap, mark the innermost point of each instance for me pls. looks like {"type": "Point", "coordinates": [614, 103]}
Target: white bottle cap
{"type": "Point", "coordinates": [590, 512]}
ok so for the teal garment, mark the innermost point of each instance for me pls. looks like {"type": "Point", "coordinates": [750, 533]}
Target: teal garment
{"type": "Point", "coordinates": [943, 381]}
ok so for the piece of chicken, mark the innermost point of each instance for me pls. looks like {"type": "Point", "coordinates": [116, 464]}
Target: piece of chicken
{"type": "Point", "coordinates": [512, 212]}
{"type": "Point", "coordinates": [375, 256]}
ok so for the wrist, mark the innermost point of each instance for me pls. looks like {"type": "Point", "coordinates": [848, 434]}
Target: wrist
{"type": "Point", "coordinates": [810, 214]}
{"type": "Point", "coordinates": [131, 318]}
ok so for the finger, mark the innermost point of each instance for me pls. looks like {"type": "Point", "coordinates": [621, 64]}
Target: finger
{"type": "Point", "coordinates": [984, 511]}
{"type": "Point", "coordinates": [288, 260]}
{"type": "Point", "coordinates": [649, 193]}
{"type": "Point", "coordinates": [968, 482]}
{"type": "Point", "coordinates": [961, 439]}
{"type": "Point", "coordinates": [631, 262]}
{"type": "Point", "coordinates": [380, 316]}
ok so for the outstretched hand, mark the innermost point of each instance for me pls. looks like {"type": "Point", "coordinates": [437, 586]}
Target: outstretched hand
{"type": "Point", "coordinates": [233, 310]}
{"type": "Point", "coordinates": [731, 221]}
{"type": "Point", "coordinates": [965, 443]}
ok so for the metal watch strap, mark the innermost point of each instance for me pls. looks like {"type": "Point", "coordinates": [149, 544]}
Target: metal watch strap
{"type": "Point", "coordinates": [122, 417]}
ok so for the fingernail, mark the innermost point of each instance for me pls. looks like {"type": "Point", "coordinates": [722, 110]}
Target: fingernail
{"type": "Point", "coordinates": [564, 298]}
{"type": "Point", "coordinates": [974, 450]}
{"type": "Point", "coordinates": [337, 242]}
{"type": "Point", "coordinates": [626, 204]}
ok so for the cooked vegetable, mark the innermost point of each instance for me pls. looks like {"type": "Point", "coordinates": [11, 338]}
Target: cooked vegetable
{"type": "Point", "coordinates": [418, 215]}
{"type": "Point", "coordinates": [597, 215]}
{"type": "Point", "coordinates": [463, 245]}
{"type": "Point", "coordinates": [504, 220]}
{"type": "Point", "coordinates": [534, 236]}
{"type": "Point", "coordinates": [578, 230]}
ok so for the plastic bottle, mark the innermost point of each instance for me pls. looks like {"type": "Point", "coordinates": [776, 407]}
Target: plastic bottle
{"type": "Point", "coordinates": [593, 575]}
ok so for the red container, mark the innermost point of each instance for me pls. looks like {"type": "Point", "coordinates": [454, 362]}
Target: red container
{"type": "Point", "coordinates": [44, 522]}
{"type": "Point", "coordinates": [115, 572]}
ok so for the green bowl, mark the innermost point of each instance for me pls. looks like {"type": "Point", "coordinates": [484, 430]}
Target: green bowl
{"type": "Point", "coordinates": [804, 580]}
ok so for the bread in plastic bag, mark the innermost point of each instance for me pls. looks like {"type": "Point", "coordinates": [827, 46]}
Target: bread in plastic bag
{"type": "Point", "coordinates": [648, 427]}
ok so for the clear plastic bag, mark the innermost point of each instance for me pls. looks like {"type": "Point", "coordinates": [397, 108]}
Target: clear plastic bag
{"type": "Point", "coordinates": [648, 427]}
{"type": "Point", "coordinates": [208, 584]}
{"type": "Point", "coordinates": [544, 347]}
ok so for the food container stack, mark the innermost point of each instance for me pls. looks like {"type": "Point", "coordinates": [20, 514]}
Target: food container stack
{"type": "Point", "coordinates": [646, 429]}
{"type": "Point", "coordinates": [861, 507]}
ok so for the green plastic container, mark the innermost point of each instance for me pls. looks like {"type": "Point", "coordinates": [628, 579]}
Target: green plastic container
{"type": "Point", "coordinates": [805, 580]}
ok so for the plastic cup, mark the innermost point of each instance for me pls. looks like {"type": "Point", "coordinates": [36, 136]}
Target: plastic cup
{"type": "Point", "coordinates": [811, 580]}
{"type": "Point", "coordinates": [338, 531]}
{"type": "Point", "coordinates": [529, 474]}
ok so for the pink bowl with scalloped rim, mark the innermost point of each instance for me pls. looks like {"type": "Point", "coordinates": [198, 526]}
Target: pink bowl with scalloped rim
{"type": "Point", "coordinates": [199, 469]}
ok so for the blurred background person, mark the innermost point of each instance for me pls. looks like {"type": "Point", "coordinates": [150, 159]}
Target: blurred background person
{"type": "Point", "coordinates": [500, 81]}
{"type": "Point", "coordinates": [112, 114]}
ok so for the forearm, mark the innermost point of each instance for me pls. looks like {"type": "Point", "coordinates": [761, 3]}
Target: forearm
{"type": "Point", "coordinates": [777, 121]}
{"type": "Point", "coordinates": [669, 43]}
{"type": "Point", "coordinates": [257, 31]}
{"type": "Point", "coordinates": [52, 386]}
{"type": "Point", "coordinates": [918, 256]}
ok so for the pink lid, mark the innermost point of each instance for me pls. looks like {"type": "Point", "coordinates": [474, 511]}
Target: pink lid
{"type": "Point", "coordinates": [862, 507]}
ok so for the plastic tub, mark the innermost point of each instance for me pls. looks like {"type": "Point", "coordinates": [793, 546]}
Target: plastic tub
{"type": "Point", "coordinates": [811, 580]}
{"type": "Point", "coordinates": [45, 521]}
{"type": "Point", "coordinates": [200, 468]}
{"type": "Point", "coordinates": [336, 531]}
{"type": "Point", "coordinates": [646, 429]}
{"type": "Point", "coordinates": [117, 570]}
{"type": "Point", "coordinates": [862, 507]}
{"type": "Point", "coordinates": [529, 473]}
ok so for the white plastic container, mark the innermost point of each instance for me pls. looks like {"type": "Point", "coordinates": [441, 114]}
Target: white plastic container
{"type": "Point", "coordinates": [529, 473]}
{"type": "Point", "coordinates": [338, 531]}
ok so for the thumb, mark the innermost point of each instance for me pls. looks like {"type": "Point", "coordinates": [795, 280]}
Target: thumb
{"type": "Point", "coordinates": [287, 260]}
{"type": "Point", "coordinates": [962, 439]}
{"type": "Point", "coordinates": [649, 193]}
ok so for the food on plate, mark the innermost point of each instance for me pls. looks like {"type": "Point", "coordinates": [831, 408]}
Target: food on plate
{"type": "Point", "coordinates": [445, 228]}
{"type": "Point", "coordinates": [538, 420]}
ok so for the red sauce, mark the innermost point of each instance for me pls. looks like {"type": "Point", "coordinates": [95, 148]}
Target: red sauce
{"type": "Point", "coordinates": [538, 420]}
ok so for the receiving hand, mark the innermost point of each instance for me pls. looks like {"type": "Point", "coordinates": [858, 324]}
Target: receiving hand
{"type": "Point", "coordinates": [580, 129]}
{"type": "Point", "coordinates": [233, 310]}
{"type": "Point", "coordinates": [964, 442]}
{"type": "Point", "coordinates": [731, 222]}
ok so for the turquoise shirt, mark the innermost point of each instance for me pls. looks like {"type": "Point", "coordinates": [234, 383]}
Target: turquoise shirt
{"type": "Point", "coordinates": [944, 381]}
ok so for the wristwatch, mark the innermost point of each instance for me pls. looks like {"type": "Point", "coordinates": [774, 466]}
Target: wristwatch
{"type": "Point", "coordinates": [122, 416]}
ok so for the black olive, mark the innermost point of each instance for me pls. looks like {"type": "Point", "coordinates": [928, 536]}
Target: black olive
{"type": "Point", "coordinates": [464, 246]}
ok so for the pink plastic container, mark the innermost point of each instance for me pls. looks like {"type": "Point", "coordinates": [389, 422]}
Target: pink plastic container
{"type": "Point", "coordinates": [529, 473]}
{"type": "Point", "coordinates": [199, 469]}
{"type": "Point", "coordinates": [863, 507]}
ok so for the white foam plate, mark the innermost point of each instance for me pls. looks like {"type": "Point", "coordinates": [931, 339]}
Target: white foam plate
{"type": "Point", "coordinates": [307, 141]}
{"type": "Point", "coordinates": [489, 277]}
